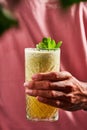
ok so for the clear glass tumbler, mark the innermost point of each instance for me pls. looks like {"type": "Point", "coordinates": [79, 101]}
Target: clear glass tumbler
{"type": "Point", "coordinates": [40, 61]}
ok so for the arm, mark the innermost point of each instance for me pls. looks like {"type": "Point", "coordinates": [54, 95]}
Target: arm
{"type": "Point", "coordinates": [61, 90]}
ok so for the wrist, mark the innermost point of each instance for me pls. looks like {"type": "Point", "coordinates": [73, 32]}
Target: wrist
{"type": "Point", "coordinates": [84, 86]}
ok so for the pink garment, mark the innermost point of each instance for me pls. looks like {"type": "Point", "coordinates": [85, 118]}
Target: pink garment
{"type": "Point", "coordinates": [39, 18]}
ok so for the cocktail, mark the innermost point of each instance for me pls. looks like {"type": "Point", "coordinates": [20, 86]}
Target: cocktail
{"type": "Point", "coordinates": [40, 61]}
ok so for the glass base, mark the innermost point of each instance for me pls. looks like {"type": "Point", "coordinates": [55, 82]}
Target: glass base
{"type": "Point", "coordinates": [47, 119]}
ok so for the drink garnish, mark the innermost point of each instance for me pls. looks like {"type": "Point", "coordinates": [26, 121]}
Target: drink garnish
{"type": "Point", "coordinates": [48, 43]}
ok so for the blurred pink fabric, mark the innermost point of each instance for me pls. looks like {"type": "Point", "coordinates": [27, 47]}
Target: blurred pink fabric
{"type": "Point", "coordinates": [38, 19]}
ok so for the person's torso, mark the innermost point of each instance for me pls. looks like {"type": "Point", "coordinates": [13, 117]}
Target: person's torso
{"type": "Point", "coordinates": [40, 19]}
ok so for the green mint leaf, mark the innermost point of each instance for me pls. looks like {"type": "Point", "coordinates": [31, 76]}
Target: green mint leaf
{"type": "Point", "coordinates": [48, 43]}
{"type": "Point", "coordinates": [44, 40]}
{"type": "Point", "coordinates": [52, 44]}
{"type": "Point", "coordinates": [49, 39]}
{"type": "Point", "coordinates": [41, 45]}
{"type": "Point", "coordinates": [58, 45]}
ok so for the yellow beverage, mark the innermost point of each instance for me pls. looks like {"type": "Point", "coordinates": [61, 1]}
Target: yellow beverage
{"type": "Point", "coordinates": [37, 61]}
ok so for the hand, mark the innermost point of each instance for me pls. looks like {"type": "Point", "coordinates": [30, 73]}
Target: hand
{"type": "Point", "coordinates": [60, 90]}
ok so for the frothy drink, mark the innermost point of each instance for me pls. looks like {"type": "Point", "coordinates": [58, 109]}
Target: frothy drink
{"type": "Point", "coordinates": [40, 61]}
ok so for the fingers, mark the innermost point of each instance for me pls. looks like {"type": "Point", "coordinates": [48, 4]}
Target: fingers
{"type": "Point", "coordinates": [56, 89]}
{"type": "Point", "coordinates": [45, 81]}
{"type": "Point", "coordinates": [52, 76]}
{"type": "Point", "coordinates": [49, 101]}
{"type": "Point", "coordinates": [37, 85]}
{"type": "Point", "coordinates": [64, 86]}
{"type": "Point", "coordinates": [59, 104]}
{"type": "Point", "coordinates": [54, 95]}
{"type": "Point", "coordinates": [55, 103]}
{"type": "Point", "coordinates": [46, 94]}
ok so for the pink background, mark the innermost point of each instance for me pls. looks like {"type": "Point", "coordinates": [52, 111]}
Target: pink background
{"type": "Point", "coordinates": [38, 19]}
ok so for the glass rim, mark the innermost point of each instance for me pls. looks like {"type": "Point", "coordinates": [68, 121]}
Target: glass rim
{"type": "Point", "coordinates": [37, 49]}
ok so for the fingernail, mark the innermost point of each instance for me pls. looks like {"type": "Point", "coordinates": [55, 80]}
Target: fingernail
{"type": "Point", "coordinates": [29, 91]}
{"type": "Point", "coordinates": [26, 84]}
{"type": "Point", "coordinates": [34, 76]}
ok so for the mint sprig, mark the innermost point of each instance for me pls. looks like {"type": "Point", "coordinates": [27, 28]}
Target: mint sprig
{"type": "Point", "coordinates": [48, 43]}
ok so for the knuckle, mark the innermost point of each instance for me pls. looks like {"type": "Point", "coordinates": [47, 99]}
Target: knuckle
{"type": "Point", "coordinates": [54, 74]}
{"type": "Point", "coordinates": [70, 84]}
{"type": "Point", "coordinates": [60, 104]}
{"type": "Point", "coordinates": [53, 94]}
{"type": "Point", "coordinates": [33, 92]}
{"type": "Point", "coordinates": [69, 75]}
{"type": "Point", "coordinates": [47, 84]}
{"type": "Point", "coordinates": [31, 84]}
{"type": "Point", "coordinates": [69, 87]}
{"type": "Point", "coordinates": [71, 98]}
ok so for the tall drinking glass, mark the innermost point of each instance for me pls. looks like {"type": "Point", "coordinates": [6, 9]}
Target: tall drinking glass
{"type": "Point", "coordinates": [40, 61]}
